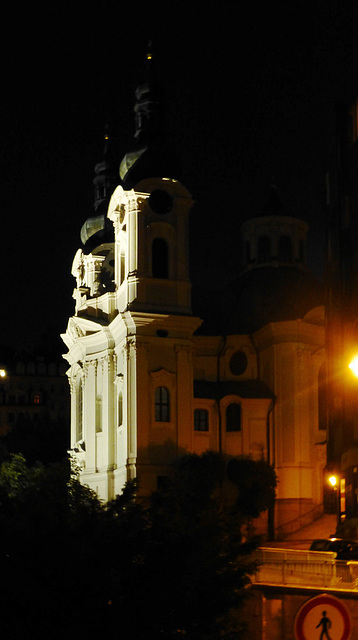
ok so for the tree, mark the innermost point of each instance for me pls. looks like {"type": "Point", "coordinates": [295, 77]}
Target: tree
{"type": "Point", "coordinates": [176, 566]}
{"type": "Point", "coordinates": [256, 482]}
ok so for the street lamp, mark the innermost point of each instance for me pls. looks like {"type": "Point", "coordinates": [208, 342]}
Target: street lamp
{"type": "Point", "coordinates": [333, 481]}
{"type": "Point", "coordinates": [353, 365]}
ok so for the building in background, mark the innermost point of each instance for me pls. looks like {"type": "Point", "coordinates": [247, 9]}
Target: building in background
{"type": "Point", "coordinates": [157, 369]}
{"type": "Point", "coordinates": [34, 404]}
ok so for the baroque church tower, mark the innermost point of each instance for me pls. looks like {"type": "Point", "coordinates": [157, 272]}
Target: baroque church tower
{"type": "Point", "coordinates": [130, 340]}
{"type": "Point", "coordinates": [152, 376]}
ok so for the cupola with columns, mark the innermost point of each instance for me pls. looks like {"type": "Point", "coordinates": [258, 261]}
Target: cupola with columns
{"type": "Point", "coordinates": [274, 238]}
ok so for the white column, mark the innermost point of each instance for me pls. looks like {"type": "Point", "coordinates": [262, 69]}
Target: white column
{"type": "Point", "coordinates": [131, 418]}
{"type": "Point", "coordinates": [89, 415]}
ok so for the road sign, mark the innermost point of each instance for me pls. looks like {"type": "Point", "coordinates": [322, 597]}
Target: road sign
{"type": "Point", "coordinates": [323, 618]}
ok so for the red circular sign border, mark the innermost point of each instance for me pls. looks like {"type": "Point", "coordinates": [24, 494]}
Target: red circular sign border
{"type": "Point", "coordinates": [324, 599]}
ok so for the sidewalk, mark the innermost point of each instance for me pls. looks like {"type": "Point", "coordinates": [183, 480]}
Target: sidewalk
{"type": "Point", "coordinates": [324, 527]}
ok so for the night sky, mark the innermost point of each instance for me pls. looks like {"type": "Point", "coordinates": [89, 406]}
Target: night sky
{"type": "Point", "coordinates": [249, 98]}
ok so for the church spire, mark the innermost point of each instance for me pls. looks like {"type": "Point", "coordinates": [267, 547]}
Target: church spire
{"type": "Point", "coordinates": [97, 228]}
{"type": "Point", "coordinates": [105, 179]}
{"type": "Point", "coordinates": [150, 154]}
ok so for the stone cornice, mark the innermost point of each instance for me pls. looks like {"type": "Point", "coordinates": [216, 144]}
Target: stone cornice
{"type": "Point", "coordinates": [290, 331]}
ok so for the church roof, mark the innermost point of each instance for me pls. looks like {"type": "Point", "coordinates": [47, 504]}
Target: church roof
{"type": "Point", "coordinates": [256, 298]}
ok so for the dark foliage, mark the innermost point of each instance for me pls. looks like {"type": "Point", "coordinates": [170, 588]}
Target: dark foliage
{"type": "Point", "coordinates": [256, 482]}
{"type": "Point", "coordinates": [174, 567]}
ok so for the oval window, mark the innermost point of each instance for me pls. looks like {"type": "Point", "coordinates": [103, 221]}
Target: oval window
{"type": "Point", "coordinates": [238, 363]}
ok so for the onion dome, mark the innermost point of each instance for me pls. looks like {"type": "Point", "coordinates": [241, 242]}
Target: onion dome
{"type": "Point", "coordinates": [150, 155]}
{"type": "Point", "coordinates": [98, 229]}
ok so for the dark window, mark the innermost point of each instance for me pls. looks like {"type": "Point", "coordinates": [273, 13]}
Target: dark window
{"type": "Point", "coordinates": [248, 252]}
{"type": "Point", "coordinates": [233, 417]}
{"type": "Point", "coordinates": [162, 404]}
{"type": "Point", "coordinates": [301, 249]}
{"type": "Point", "coordinates": [201, 420]}
{"type": "Point", "coordinates": [264, 249]}
{"type": "Point", "coordinates": [238, 363]}
{"type": "Point", "coordinates": [160, 258]}
{"type": "Point", "coordinates": [160, 201]}
{"type": "Point", "coordinates": [120, 409]}
{"type": "Point", "coordinates": [285, 249]}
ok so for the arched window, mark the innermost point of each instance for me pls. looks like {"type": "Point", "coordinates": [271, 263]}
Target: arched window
{"type": "Point", "coordinates": [201, 420]}
{"type": "Point", "coordinates": [233, 417]}
{"type": "Point", "coordinates": [248, 252]}
{"type": "Point", "coordinates": [264, 249]}
{"type": "Point", "coordinates": [120, 409]}
{"type": "Point", "coordinates": [285, 249]}
{"type": "Point", "coordinates": [98, 414]}
{"type": "Point", "coordinates": [162, 404]}
{"type": "Point", "coordinates": [160, 258]}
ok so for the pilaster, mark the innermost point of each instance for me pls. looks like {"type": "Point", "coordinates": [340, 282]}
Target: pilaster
{"type": "Point", "coordinates": [184, 390]}
{"type": "Point", "coordinates": [89, 415]}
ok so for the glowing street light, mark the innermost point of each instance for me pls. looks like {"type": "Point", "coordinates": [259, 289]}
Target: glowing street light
{"type": "Point", "coordinates": [354, 366]}
{"type": "Point", "coordinates": [332, 481]}
{"type": "Point", "coordinates": [2, 373]}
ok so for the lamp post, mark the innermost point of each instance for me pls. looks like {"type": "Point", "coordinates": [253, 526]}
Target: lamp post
{"type": "Point", "coordinates": [2, 376]}
{"type": "Point", "coordinates": [334, 481]}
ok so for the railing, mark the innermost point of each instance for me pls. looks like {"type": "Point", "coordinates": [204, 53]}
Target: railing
{"type": "Point", "coordinates": [309, 568]}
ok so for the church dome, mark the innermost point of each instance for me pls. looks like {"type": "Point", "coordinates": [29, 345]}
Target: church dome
{"type": "Point", "coordinates": [275, 285]}
{"type": "Point", "coordinates": [269, 294]}
{"type": "Point", "coordinates": [97, 229]}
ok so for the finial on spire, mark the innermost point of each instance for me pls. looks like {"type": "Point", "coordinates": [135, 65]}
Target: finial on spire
{"type": "Point", "coordinates": [149, 56]}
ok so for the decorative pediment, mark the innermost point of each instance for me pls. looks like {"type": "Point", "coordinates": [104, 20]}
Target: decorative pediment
{"type": "Point", "coordinates": [80, 327]}
{"type": "Point", "coordinates": [162, 376]}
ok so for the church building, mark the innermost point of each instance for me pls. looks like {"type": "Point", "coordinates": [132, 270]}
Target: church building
{"type": "Point", "coordinates": [155, 371]}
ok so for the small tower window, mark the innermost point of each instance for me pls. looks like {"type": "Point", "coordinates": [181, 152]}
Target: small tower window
{"type": "Point", "coordinates": [98, 414]}
{"type": "Point", "coordinates": [233, 417]}
{"type": "Point", "coordinates": [201, 420]}
{"type": "Point", "coordinates": [301, 249]}
{"type": "Point", "coordinates": [264, 249]}
{"type": "Point", "coordinates": [162, 404]}
{"type": "Point", "coordinates": [285, 249]}
{"type": "Point", "coordinates": [160, 258]}
{"type": "Point", "coordinates": [120, 409]}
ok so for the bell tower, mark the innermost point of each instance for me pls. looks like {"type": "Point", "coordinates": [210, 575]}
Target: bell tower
{"type": "Point", "coordinates": [130, 341]}
{"type": "Point", "coordinates": [151, 246]}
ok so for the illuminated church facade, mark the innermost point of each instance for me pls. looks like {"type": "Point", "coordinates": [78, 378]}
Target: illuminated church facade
{"type": "Point", "coordinates": [155, 372]}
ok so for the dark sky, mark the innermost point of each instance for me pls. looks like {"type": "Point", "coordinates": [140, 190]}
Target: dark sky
{"type": "Point", "coordinates": [250, 96]}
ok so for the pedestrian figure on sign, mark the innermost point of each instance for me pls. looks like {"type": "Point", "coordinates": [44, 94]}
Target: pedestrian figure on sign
{"type": "Point", "coordinates": [326, 624]}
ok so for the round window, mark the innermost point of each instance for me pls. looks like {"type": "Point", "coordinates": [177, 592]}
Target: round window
{"type": "Point", "coordinates": [238, 363]}
{"type": "Point", "coordinates": [160, 201]}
